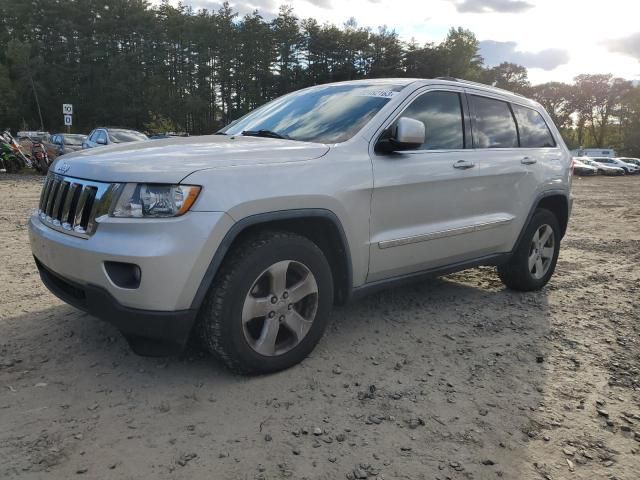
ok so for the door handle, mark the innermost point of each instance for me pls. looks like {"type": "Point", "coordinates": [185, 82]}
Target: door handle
{"type": "Point", "coordinates": [528, 161]}
{"type": "Point", "coordinates": [464, 164]}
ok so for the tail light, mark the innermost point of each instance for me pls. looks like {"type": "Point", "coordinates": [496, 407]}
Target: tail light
{"type": "Point", "coordinates": [573, 165]}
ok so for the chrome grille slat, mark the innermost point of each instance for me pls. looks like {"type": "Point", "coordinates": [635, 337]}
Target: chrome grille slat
{"type": "Point", "coordinates": [84, 194]}
{"type": "Point", "coordinates": [52, 195]}
{"type": "Point", "coordinates": [45, 191]}
{"type": "Point", "coordinates": [88, 207]}
{"type": "Point", "coordinates": [66, 208]}
{"type": "Point", "coordinates": [72, 205]}
{"type": "Point", "coordinates": [57, 203]}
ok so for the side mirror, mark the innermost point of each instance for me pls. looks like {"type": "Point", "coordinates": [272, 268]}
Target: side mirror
{"type": "Point", "coordinates": [101, 141]}
{"type": "Point", "coordinates": [407, 134]}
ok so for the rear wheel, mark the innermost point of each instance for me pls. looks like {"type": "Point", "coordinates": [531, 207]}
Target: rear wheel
{"type": "Point", "coordinates": [42, 165]}
{"type": "Point", "coordinates": [268, 306]}
{"type": "Point", "coordinates": [534, 260]}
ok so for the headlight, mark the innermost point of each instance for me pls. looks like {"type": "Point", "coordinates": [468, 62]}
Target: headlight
{"type": "Point", "coordinates": [141, 200]}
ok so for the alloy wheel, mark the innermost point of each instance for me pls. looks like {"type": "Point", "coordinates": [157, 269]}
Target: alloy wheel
{"type": "Point", "coordinates": [541, 251]}
{"type": "Point", "coordinates": [279, 308]}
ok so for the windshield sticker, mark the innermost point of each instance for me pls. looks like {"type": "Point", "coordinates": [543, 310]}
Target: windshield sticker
{"type": "Point", "coordinates": [377, 93]}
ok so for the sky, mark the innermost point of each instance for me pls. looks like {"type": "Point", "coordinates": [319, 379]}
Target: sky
{"type": "Point", "coordinates": [555, 39]}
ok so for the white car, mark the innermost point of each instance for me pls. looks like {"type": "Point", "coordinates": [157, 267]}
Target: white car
{"type": "Point", "coordinates": [628, 168]}
{"type": "Point", "coordinates": [634, 161]}
{"type": "Point", "coordinates": [583, 169]}
{"type": "Point", "coordinates": [603, 169]}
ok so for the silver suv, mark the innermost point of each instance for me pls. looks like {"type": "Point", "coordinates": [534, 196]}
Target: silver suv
{"type": "Point", "coordinates": [249, 237]}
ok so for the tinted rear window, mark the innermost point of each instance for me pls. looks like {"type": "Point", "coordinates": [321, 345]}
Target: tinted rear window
{"type": "Point", "coordinates": [534, 132]}
{"type": "Point", "coordinates": [494, 126]}
{"type": "Point", "coordinates": [120, 136]}
{"type": "Point", "coordinates": [73, 139]}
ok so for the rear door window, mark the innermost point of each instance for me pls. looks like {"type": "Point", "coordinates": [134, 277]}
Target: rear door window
{"type": "Point", "coordinates": [441, 113]}
{"type": "Point", "coordinates": [493, 123]}
{"type": "Point", "coordinates": [534, 132]}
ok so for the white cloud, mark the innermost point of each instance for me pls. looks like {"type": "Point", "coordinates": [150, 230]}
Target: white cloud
{"type": "Point", "coordinates": [486, 6]}
{"type": "Point", "coordinates": [495, 53]}
{"type": "Point", "coordinates": [629, 45]}
{"type": "Point", "coordinates": [540, 30]}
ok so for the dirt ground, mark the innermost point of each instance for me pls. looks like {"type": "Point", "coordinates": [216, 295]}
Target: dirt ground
{"type": "Point", "coordinates": [455, 378]}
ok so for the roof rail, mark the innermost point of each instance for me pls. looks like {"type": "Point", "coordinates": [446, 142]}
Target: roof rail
{"type": "Point", "coordinates": [478, 84]}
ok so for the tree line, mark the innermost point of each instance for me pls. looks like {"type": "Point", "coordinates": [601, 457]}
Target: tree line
{"type": "Point", "coordinates": [173, 68]}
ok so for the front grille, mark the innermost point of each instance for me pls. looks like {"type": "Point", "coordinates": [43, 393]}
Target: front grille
{"type": "Point", "coordinates": [72, 206]}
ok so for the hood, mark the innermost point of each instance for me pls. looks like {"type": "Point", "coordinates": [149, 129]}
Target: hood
{"type": "Point", "coordinates": [170, 160]}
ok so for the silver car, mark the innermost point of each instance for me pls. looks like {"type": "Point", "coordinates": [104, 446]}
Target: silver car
{"type": "Point", "coordinates": [629, 168]}
{"type": "Point", "coordinates": [602, 168]}
{"type": "Point", "coordinates": [631, 160]}
{"type": "Point", "coordinates": [582, 168]}
{"type": "Point", "coordinates": [249, 237]}
{"type": "Point", "coordinates": [104, 136]}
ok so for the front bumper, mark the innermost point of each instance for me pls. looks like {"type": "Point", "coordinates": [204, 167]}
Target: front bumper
{"type": "Point", "coordinates": [172, 254]}
{"type": "Point", "coordinates": [149, 332]}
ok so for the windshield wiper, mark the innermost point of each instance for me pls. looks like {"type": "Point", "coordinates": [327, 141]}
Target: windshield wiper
{"type": "Point", "coordinates": [263, 133]}
{"type": "Point", "coordinates": [219, 133]}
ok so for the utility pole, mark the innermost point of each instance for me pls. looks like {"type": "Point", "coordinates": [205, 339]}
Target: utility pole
{"type": "Point", "coordinates": [35, 94]}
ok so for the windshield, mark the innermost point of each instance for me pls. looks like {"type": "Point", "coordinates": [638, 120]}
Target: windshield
{"type": "Point", "coordinates": [73, 139]}
{"type": "Point", "coordinates": [121, 136]}
{"type": "Point", "coordinates": [325, 114]}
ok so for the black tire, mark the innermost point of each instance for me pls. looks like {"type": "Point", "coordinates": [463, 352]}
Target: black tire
{"type": "Point", "coordinates": [515, 274]}
{"type": "Point", "coordinates": [220, 318]}
{"type": "Point", "coordinates": [43, 166]}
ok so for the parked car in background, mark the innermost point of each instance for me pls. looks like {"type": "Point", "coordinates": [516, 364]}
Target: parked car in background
{"type": "Point", "coordinates": [23, 135]}
{"type": "Point", "coordinates": [26, 138]}
{"type": "Point", "coordinates": [603, 169]}
{"type": "Point", "coordinates": [108, 136]}
{"type": "Point", "coordinates": [628, 168]}
{"type": "Point", "coordinates": [583, 169]}
{"type": "Point", "coordinates": [594, 152]}
{"type": "Point", "coordinates": [62, 143]}
{"type": "Point", "coordinates": [160, 136]}
{"type": "Point", "coordinates": [634, 161]}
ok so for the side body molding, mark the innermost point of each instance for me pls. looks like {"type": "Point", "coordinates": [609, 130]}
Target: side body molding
{"type": "Point", "coordinates": [490, 260]}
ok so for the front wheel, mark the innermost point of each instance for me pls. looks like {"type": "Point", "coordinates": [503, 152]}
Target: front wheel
{"type": "Point", "coordinates": [269, 304]}
{"type": "Point", "coordinates": [12, 164]}
{"type": "Point", "coordinates": [534, 260]}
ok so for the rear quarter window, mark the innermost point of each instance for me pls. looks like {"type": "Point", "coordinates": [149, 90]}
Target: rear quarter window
{"type": "Point", "coordinates": [534, 131]}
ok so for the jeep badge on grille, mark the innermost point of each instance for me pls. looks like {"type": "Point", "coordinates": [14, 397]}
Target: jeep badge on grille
{"type": "Point", "coordinates": [63, 168]}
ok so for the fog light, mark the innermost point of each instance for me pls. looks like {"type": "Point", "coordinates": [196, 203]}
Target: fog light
{"type": "Point", "coordinates": [124, 275]}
